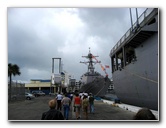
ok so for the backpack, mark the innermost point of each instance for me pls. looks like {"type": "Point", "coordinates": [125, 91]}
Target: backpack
{"type": "Point", "coordinates": [85, 102]}
{"type": "Point", "coordinates": [91, 99]}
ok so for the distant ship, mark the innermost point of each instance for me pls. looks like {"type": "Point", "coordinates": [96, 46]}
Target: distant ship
{"type": "Point", "coordinates": [92, 81]}
{"type": "Point", "coordinates": [135, 61]}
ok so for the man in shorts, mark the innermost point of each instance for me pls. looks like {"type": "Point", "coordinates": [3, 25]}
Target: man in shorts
{"type": "Point", "coordinates": [77, 105]}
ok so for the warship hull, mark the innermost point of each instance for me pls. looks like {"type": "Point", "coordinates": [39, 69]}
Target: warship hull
{"type": "Point", "coordinates": [98, 87]}
{"type": "Point", "coordinates": [135, 65]}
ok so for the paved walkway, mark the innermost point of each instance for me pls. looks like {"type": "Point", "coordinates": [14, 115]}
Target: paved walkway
{"type": "Point", "coordinates": [32, 110]}
{"type": "Point", "coordinates": [105, 112]}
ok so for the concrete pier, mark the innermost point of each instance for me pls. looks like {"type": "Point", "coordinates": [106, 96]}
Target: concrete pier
{"type": "Point", "coordinates": [31, 110]}
{"type": "Point", "coordinates": [107, 112]}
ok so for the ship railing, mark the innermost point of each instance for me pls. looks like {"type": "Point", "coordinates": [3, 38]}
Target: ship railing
{"type": "Point", "coordinates": [141, 21]}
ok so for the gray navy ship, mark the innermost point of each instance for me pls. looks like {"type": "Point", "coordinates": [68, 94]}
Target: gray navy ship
{"type": "Point", "coordinates": [135, 60]}
{"type": "Point", "coordinates": [92, 81]}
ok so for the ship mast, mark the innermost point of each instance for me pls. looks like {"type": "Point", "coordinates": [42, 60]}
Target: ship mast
{"type": "Point", "coordinates": [90, 62]}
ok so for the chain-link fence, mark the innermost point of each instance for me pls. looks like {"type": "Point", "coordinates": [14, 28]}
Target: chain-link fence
{"type": "Point", "coordinates": [17, 91]}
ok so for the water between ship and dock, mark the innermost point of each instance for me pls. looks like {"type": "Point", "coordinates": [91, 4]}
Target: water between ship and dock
{"type": "Point", "coordinates": [31, 110]}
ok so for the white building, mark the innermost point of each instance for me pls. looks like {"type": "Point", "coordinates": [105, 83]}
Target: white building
{"type": "Point", "coordinates": [57, 83]}
{"type": "Point", "coordinates": [67, 78]}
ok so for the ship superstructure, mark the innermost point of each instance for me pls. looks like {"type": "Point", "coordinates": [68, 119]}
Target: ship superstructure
{"type": "Point", "coordinates": [92, 81]}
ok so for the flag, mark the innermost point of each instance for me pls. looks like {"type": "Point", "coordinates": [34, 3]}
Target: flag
{"type": "Point", "coordinates": [102, 68]}
{"type": "Point", "coordinates": [107, 66]}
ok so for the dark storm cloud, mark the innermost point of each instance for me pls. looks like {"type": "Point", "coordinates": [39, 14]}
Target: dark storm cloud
{"type": "Point", "coordinates": [31, 41]}
{"type": "Point", "coordinates": [107, 26]}
{"type": "Point", "coordinates": [106, 22]}
{"type": "Point", "coordinates": [36, 35]}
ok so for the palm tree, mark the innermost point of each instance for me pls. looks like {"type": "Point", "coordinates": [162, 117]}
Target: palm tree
{"type": "Point", "coordinates": [13, 69]}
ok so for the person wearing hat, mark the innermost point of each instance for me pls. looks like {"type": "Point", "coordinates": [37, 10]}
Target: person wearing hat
{"type": "Point", "coordinates": [52, 113]}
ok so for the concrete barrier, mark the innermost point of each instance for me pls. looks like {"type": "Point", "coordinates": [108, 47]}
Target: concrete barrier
{"type": "Point", "coordinates": [128, 107]}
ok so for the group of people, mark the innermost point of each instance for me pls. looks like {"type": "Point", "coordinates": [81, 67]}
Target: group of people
{"type": "Point", "coordinates": [80, 101]}
{"type": "Point", "coordinates": [84, 102]}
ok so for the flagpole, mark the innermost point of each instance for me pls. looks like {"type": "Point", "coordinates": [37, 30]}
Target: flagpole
{"type": "Point", "coordinates": [110, 69]}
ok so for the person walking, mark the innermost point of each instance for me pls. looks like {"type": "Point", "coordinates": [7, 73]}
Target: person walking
{"type": "Point", "coordinates": [77, 105]}
{"type": "Point", "coordinates": [66, 101]}
{"type": "Point", "coordinates": [59, 99]}
{"type": "Point", "coordinates": [85, 104]}
{"type": "Point", "coordinates": [52, 113]}
{"type": "Point", "coordinates": [91, 103]}
{"type": "Point", "coordinates": [71, 96]}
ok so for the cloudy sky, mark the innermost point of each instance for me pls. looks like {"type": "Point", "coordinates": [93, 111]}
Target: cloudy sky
{"type": "Point", "coordinates": [36, 35]}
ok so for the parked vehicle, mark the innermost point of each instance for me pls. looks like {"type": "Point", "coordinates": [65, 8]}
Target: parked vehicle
{"type": "Point", "coordinates": [17, 97]}
{"type": "Point", "coordinates": [53, 94]}
{"type": "Point", "coordinates": [38, 93]}
{"type": "Point", "coordinates": [29, 96]}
